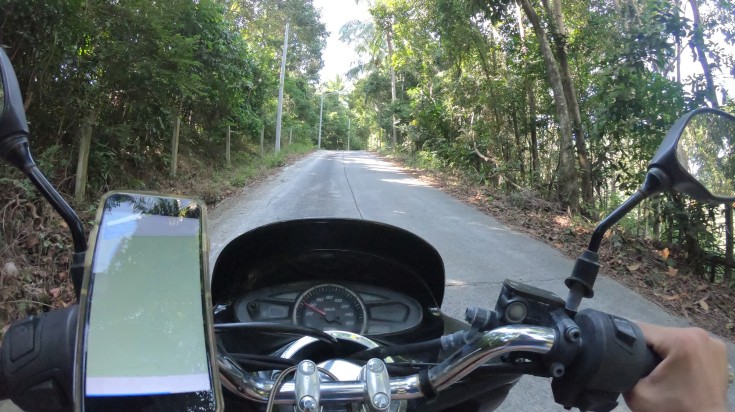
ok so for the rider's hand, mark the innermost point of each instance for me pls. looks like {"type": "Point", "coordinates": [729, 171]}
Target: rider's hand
{"type": "Point", "coordinates": [691, 377]}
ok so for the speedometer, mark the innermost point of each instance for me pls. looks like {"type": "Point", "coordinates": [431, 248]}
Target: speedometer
{"type": "Point", "coordinates": [330, 307]}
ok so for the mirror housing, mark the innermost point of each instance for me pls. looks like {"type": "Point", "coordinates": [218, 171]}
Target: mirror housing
{"type": "Point", "coordinates": [13, 125]}
{"type": "Point", "coordinates": [667, 159]}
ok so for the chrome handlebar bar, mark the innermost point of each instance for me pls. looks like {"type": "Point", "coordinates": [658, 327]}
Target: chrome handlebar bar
{"type": "Point", "coordinates": [485, 346]}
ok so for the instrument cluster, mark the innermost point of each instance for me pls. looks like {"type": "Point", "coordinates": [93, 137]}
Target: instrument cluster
{"type": "Point", "coordinates": [347, 306]}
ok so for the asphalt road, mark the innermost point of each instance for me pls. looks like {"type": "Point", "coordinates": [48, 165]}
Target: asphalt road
{"type": "Point", "coordinates": [478, 251]}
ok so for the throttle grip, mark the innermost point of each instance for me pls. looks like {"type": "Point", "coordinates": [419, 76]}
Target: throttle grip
{"type": "Point", "coordinates": [650, 361]}
{"type": "Point", "coordinates": [613, 357]}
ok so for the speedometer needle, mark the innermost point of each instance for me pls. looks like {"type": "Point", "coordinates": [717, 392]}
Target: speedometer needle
{"type": "Point", "coordinates": [315, 309]}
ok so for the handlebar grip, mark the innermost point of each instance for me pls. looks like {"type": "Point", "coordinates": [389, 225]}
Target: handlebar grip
{"type": "Point", "coordinates": [612, 358]}
{"type": "Point", "coordinates": [649, 362]}
{"type": "Point", "coordinates": [4, 394]}
{"type": "Point", "coordinates": [37, 361]}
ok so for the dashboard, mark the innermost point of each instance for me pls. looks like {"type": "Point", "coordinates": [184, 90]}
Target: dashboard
{"type": "Point", "coordinates": [328, 305]}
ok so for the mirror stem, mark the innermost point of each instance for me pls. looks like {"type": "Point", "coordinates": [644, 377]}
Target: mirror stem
{"type": "Point", "coordinates": [584, 273]}
{"type": "Point", "coordinates": [656, 182]}
{"type": "Point", "coordinates": [76, 271]}
{"type": "Point", "coordinates": [14, 149]}
{"type": "Point", "coordinates": [61, 207]}
{"type": "Point", "coordinates": [582, 280]}
{"type": "Point", "coordinates": [614, 218]}
{"type": "Point", "coordinates": [17, 152]}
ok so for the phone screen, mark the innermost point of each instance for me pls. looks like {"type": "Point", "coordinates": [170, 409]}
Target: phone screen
{"type": "Point", "coordinates": [148, 346]}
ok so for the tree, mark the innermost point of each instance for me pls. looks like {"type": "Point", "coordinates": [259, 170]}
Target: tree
{"type": "Point", "coordinates": [568, 187]}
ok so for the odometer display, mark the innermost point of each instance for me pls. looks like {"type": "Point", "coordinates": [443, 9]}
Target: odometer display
{"type": "Point", "coordinates": [330, 307]}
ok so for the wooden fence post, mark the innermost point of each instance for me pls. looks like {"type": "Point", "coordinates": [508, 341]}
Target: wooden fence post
{"type": "Point", "coordinates": [80, 183]}
{"type": "Point", "coordinates": [175, 146]}
{"type": "Point", "coordinates": [262, 137]}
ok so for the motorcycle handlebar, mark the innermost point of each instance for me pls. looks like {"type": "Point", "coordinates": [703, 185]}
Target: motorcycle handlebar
{"type": "Point", "coordinates": [609, 359]}
{"type": "Point", "coordinates": [487, 345]}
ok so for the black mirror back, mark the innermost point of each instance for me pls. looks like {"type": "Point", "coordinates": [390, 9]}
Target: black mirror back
{"type": "Point", "coordinates": [696, 155]}
{"type": "Point", "coordinates": [13, 124]}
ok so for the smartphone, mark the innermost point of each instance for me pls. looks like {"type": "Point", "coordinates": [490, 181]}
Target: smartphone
{"type": "Point", "coordinates": [146, 329]}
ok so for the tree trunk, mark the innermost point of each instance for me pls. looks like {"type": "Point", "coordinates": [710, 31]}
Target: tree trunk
{"type": "Point", "coordinates": [699, 47]}
{"type": "Point", "coordinates": [678, 59]}
{"type": "Point", "coordinates": [85, 139]}
{"type": "Point", "coordinates": [560, 42]}
{"type": "Point", "coordinates": [389, 41]}
{"type": "Point", "coordinates": [619, 9]}
{"type": "Point", "coordinates": [727, 277]}
{"type": "Point", "coordinates": [567, 177]}
{"type": "Point", "coordinates": [657, 218]}
{"type": "Point", "coordinates": [519, 146]}
{"type": "Point", "coordinates": [535, 166]}
{"type": "Point", "coordinates": [535, 163]}
{"type": "Point", "coordinates": [282, 79]}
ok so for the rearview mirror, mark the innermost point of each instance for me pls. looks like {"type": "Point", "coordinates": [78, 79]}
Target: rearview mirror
{"type": "Point", "coordinates": [15, 150]}
{"type": "Point", "coordinates": [13, 125]}
{"type": "Point", "coordinates": [698, 156]}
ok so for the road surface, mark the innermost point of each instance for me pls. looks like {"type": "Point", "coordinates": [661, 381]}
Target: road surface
{"type": "Point", "coordinates": [478, 251]}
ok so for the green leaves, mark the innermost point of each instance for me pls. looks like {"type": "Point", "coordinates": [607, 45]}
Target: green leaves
{"type": "Point", "coordinates": [142, 64]}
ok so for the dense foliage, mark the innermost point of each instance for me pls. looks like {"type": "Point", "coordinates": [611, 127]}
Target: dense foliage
{"type": "Point", "coordinates": [566, 99]}
{"type": "Point", "coordinates": [130, 69]}
{"type": "Point", "coordinates": [121, 75]}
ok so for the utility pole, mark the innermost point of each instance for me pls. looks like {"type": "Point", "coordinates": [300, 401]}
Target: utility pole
{"type": "Point", "coordinates": [349, 125]}
{"type": "Point", "coordinates": [280, 92]}
{"type": "Point", "coordinates": [321, 109]}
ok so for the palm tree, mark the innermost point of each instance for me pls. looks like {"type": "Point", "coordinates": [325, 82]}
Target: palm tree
{"type": "Point", "coordinates": [373, 39]}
